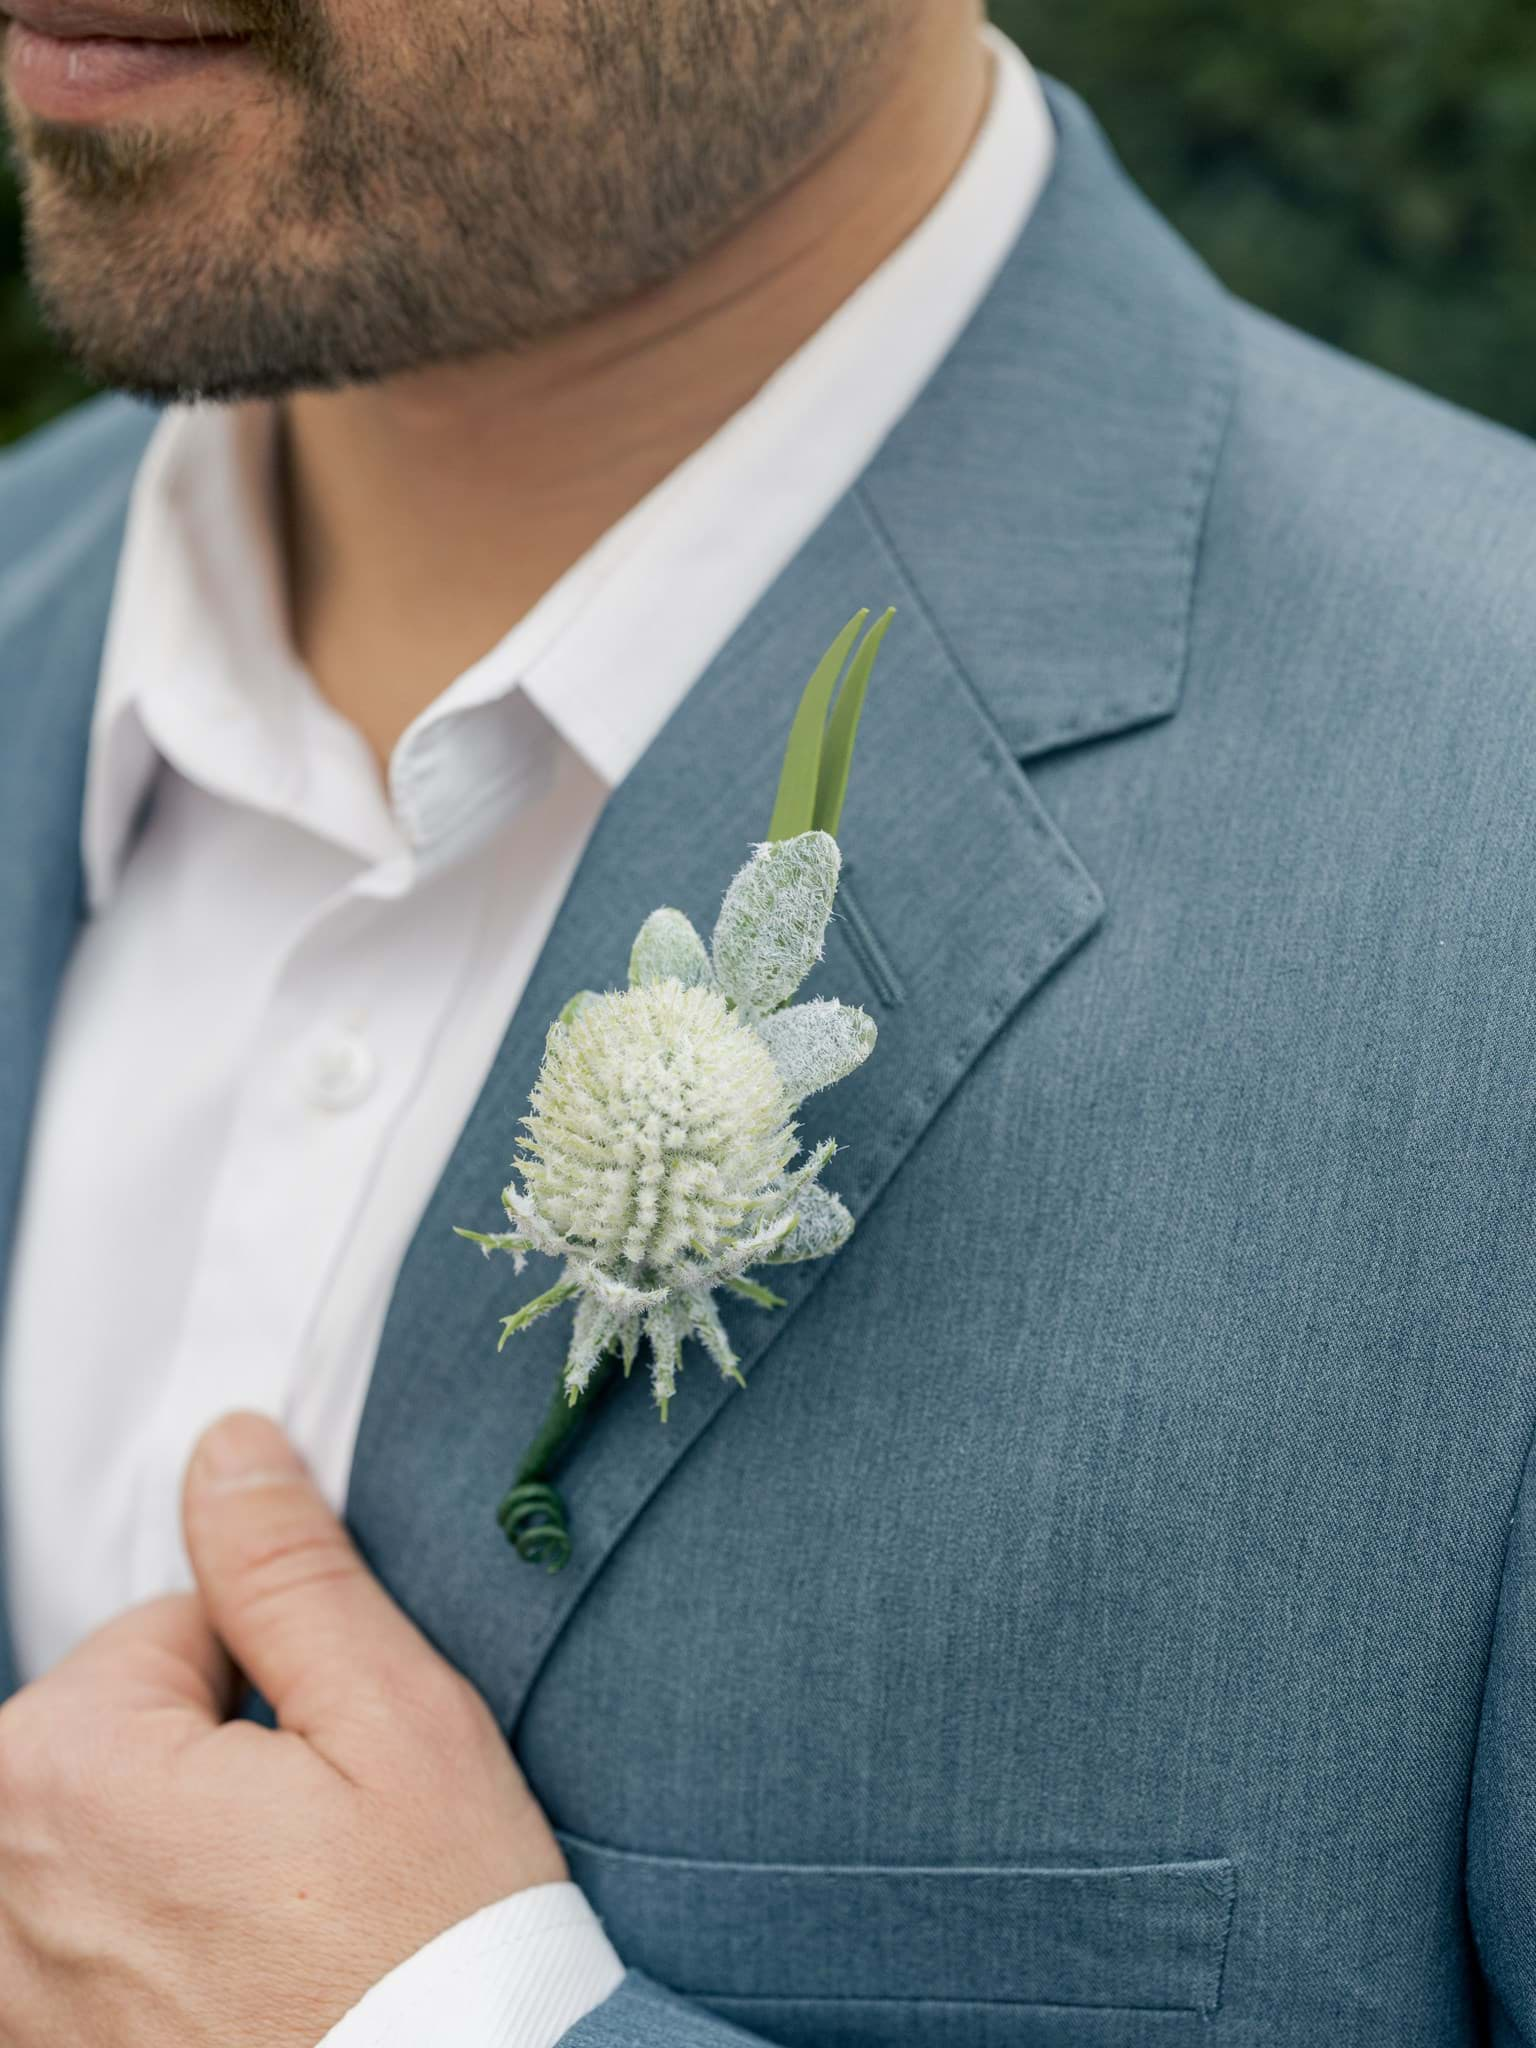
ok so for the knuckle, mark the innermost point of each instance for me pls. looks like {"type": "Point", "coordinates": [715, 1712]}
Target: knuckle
{"type": "Point", "coordinates": [292, 1562]}
{"type": "Point", "coordinates": [44, 1754]}
{"type": "Point", "coordinates": [18, 1747]}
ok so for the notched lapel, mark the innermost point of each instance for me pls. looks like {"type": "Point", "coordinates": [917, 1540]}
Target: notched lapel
{"type": "Point", "coordinates": [971, 897]}
{"type": "Point", "coordinates": [1036, 518]}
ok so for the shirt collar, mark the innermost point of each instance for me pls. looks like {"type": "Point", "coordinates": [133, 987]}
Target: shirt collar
{"type": "Point", "coordinates": [198, 667]}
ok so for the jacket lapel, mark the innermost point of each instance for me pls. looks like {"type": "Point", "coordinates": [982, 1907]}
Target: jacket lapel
{"type": "Point", "coordinates": [1035, 518]}
{"type": "Point", "coordinates": [974, 898]}
{"type": "Point", "coordinates": [53, 613]}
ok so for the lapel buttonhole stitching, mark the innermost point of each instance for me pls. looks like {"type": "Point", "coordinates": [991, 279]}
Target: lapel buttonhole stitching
{"type": "Point", "coordinates": [867, 946]}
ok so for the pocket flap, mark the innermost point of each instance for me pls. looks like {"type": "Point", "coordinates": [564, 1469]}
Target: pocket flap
{"type": "Point", "coordinates": [1145, 1936]}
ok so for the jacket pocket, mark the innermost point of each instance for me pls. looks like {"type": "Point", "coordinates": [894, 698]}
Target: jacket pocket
{"type": "Point", "coordinates": [1143, 1937]}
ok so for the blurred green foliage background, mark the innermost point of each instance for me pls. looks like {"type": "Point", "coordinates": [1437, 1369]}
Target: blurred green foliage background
{"type": "Point", "coordinates": [34, 382]}
{"type": "Point", "coordinates": [1364, 168]}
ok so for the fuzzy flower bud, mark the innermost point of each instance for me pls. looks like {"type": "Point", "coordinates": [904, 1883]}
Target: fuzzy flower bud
{"type": "Point", "coordinates": [659, 1133]}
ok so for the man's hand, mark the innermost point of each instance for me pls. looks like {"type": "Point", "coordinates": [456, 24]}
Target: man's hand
{"type": "Point", "coordinates": [172, 1880]}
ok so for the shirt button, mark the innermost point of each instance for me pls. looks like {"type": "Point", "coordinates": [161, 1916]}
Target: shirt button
{"type": "Point", "coordinates": [339, 1070]}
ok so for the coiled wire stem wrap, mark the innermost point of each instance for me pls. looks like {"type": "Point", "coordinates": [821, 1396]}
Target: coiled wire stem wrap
{"type": "Point", "coordinates": [532, 1515]}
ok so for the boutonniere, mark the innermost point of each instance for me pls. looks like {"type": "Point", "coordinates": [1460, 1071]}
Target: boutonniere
{"type": "Point", "coordinates": [660, 1159]}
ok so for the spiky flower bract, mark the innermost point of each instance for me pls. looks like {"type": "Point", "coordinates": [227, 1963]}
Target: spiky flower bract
{"type": "Point", "coordinates": [659, 1157]}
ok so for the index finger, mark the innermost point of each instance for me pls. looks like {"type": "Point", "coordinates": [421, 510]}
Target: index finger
{"type": "Point", "coordinates": [161, 1653]}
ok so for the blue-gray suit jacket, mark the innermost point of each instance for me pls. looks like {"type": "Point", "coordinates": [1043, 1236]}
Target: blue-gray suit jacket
{"type": "Point", "coordinates": [1107, 1616]}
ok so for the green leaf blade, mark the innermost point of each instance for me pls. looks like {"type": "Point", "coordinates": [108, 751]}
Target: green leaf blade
{"type": "Point", "coordinates": [843, 730]}
{"type": "Point", "coordinates": [795, 805]}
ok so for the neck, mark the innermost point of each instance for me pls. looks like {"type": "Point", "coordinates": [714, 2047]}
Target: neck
{"type": "Point", "coordinates": [425, 515]}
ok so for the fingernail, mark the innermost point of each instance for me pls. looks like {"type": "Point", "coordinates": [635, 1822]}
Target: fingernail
{"type": "Point", "coordinates": [241, 1450]}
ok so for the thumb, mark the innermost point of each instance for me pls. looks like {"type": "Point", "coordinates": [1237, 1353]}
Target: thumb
{"type": "Point", "coordinates": [283, 1586]}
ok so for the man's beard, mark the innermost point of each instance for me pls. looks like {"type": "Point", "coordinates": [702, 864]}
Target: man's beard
{"type": "Point", "coordinates": [502, 181]}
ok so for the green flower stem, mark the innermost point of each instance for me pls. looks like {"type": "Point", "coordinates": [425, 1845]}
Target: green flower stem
{"type": "Point", "coordinates": [532, 1516]}
{"type": "Point", "coordinates": [561, 1421]}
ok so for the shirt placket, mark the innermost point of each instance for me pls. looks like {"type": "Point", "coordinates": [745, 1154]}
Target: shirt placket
{"type": "Point", "coordinates": [353, 1012]}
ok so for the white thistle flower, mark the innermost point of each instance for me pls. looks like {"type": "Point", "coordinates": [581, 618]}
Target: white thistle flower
{"type": "Point", "coordinates": [659, 1157]}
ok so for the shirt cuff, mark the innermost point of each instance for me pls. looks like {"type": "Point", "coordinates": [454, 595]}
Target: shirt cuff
{"type": "Point", "coordinates": [518, 1974]}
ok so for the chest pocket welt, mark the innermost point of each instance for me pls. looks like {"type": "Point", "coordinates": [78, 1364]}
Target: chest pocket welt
{"type": "Point", "coordinates": [833, 1953]}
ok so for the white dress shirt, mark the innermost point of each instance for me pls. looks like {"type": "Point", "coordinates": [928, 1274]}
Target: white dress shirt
{"type": "Point", "coordinates": [293, 980]}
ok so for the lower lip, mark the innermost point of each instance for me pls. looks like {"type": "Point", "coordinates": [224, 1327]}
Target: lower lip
{"type": "Point", "coordinates": [83, 77]}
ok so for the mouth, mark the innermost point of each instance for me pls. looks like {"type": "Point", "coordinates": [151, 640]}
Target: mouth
{"type": "Point", "coordinates": [81, 20]}
{"type": "Point", "coordinates": [85, 60]}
